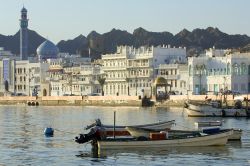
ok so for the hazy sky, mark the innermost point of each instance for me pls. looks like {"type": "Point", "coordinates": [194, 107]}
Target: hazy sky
{"type": "Point", "coordinates": [66, 19]}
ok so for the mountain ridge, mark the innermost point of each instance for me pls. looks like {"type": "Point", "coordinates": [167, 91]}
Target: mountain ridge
{"type": "Point", "coordinates": [195, 41]}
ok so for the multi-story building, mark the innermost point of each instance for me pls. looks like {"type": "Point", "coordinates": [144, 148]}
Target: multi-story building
{"type": "Point", "coordinates": [176, 76]}
{"type": "Point", "coordinates": [29, 78]}
{"type": "Point", "coordinates": [74, 77]}
{"type": "Point", "coordinates": [219, 70]}
{"type": "Point", "coordinates": [132, 71]}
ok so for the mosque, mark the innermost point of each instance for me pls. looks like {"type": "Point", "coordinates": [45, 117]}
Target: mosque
{"type": "Point", "coordinates": [47, 50]}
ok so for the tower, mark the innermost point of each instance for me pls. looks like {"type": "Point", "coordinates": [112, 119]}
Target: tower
{"type": "Point", "coordinates": [24, 35]}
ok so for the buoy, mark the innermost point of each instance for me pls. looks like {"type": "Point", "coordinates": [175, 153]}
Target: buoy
{"type": "Point", "coordinates": [48, 132]}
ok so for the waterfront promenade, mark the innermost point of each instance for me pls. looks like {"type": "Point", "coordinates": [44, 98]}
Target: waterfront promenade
{"type": "Point", "coordinates": [174, 100]}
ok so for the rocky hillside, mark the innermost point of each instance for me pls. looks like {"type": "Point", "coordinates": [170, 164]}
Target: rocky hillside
{"type": "Point", "coordinates": [195, 41]}
{"type": "Point", "coordinates": [12, 43]}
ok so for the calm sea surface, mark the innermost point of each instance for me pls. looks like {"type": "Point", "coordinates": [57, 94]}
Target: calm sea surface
{"type": "Point", "coordinates": [22, 141]}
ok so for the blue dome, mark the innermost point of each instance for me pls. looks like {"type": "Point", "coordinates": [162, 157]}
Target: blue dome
{"type": "Point", "coordinates": [47, 50]}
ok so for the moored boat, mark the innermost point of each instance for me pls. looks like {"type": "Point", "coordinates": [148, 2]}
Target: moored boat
{"type": "Point", "coordinates": [210, 110]}
{"type": "Point", "coordinates": [138, 132]}
{"type": "Point", "coordinates": [204, 140]}
{"type": "Point", "coordinates": [121, 131]}
{"type": "Point", "coordinates": [207, 123]}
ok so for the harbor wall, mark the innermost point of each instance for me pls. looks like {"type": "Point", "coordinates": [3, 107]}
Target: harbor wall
{"type": "Point", "coordinates": [72, 100]}
{"type": "Point", "coordinates": [174, 100]}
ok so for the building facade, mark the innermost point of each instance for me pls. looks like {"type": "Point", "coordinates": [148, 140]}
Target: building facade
{"type": "Point", "coordinates": [219, 71]}
{"type": "Point", "coordinates": [131, 71]}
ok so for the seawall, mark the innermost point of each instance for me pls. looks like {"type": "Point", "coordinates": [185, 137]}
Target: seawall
{"type": "Point", "coordinates": [72, 100]}
{"type": "Point", "coordinates": [174, 100]}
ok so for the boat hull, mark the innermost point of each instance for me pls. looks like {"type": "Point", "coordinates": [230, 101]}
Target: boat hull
{"type": "Point", "coordinates": [121, 131]}
{"type": "Point", "coordinates": [209, 111]}
{"type": "Point", "coordinates": [159, 126]}
{"type": "Point", "coordinates": [237, 133]}
{"type": "Point", "coordinates": [208, 140]}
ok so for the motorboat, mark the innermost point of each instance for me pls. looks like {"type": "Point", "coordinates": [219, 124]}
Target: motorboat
{"type": "Point", "coordinates": [121, 131]}
{"type": "Point", "coordinates": [207, 123]}
{"type": "Point", "coordinates": [156, 140]}
{"type": "Point", "coordinates": [139, 132]}
{"type": "Point", "coordinates": [214, 109]}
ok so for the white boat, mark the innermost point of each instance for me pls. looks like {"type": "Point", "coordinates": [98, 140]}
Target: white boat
{"type": "Point", "coordinates": [237, 133]}
{"type": "Point", "coordinates": [159, 125]}
{"type": "Point", "coordinates": [207, 123]}
{"type": "Point", "coordinates": [120, 130]}
{"type": "Point", "coordinates": [236, 136]}
{"type": "Point", "coordinates": [138, 132]}
{"type": "Point", "coordinates": [206, 140]}
{"type": "Point", "coordinates": [209, 110]}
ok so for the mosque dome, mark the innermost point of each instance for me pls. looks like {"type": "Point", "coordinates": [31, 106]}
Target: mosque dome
{"type": "Point", "coordinates": [47, 50]}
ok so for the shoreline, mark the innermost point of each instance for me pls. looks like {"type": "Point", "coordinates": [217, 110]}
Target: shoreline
{"type": "Point", "coordinates": [174, 100]}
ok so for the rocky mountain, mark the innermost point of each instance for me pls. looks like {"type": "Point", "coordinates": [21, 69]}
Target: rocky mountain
{"type": "Point", "coordinates": [12, 43]}
{"type": "Point", "coordinates": [195, 41]}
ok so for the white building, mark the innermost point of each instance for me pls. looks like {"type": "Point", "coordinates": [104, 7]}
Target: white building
{"type": "Point", "coordinates": [219, 70]}
{"type": "Point", "coordinates": [132, 71]}
{"type": "Point", "coordinates": [29, 77]}
{"type": "Point", "coordinates": [176, 76]}
{"type": "Point", "coordinates": [78, 77]}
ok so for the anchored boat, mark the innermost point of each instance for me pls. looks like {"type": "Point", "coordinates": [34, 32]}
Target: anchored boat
{"type": "Point", "coordinates": [214, 109]}
{"type": "Point", "coordinates": [121, 131]}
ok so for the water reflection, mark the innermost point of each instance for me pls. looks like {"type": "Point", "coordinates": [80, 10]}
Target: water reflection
{"type": "Point", "coordinates": [23, 141]}
{"type": "Point", "coordinates": [215, 151]}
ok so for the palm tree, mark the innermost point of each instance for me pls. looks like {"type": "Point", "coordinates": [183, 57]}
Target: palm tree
{"type": "Point", "coordinates": [101, 81]}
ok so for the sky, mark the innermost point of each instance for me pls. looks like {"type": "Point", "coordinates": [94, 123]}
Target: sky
{"type": "Point", "coordinates": [66, 19]}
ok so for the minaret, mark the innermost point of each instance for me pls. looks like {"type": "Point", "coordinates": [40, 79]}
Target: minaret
{"type": "Point", "coordinates": [24, 35]}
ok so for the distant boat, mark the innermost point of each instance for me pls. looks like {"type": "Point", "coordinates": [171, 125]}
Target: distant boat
{"type": "Point", "coordinates": [215, 126]}
{"type": "Point", "coordinates": [213, 109]}
{"type": "Point", "coordinates": [207, 123]}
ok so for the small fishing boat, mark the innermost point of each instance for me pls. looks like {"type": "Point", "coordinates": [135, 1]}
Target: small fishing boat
{"type": "Point", "coordinates": [156, 140]}
{"type": "Point", "coordinates": [121, 131]}
{"type": "Point", "coordinates": [190, 141]}
{"type": "Point", "coordinates": [207, 123]}
{"type": "Point", "coordinates": [138, 132]}
{"type": "Point", "coordinates": [215, 109]}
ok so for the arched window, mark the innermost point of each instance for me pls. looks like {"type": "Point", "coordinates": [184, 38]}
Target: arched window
{"type": "Point", "coordinates": [236, 69]}
{"type": "Point", "coordinates": [243, 69]}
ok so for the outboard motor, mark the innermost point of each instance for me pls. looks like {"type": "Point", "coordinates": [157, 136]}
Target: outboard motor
{"type": "Point", "coordinates": [96, 133]}
{"type": "Point", "coordinates": [96, 123]}
{"type": "Point", "coordinates": [82, 139]}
